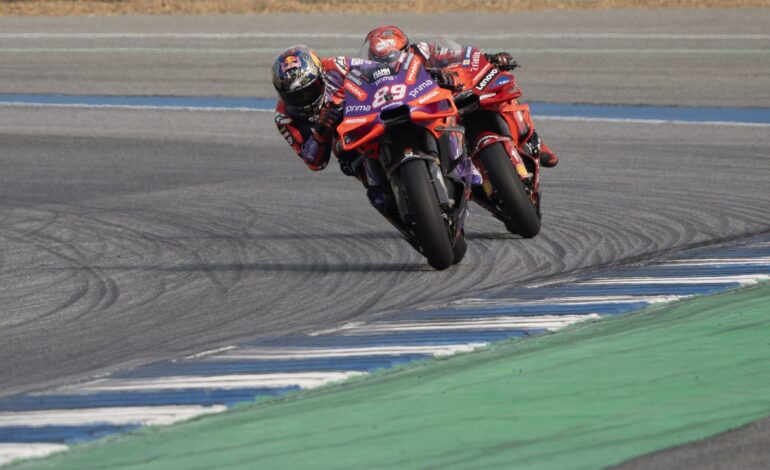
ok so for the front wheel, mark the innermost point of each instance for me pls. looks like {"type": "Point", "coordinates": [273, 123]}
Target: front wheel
{"type": "Point", "coordinates": [520, 214]}
{"type": "Point", "coordinates": [460, 247]}
{"type": "Point", "coordinates": [432, 231]}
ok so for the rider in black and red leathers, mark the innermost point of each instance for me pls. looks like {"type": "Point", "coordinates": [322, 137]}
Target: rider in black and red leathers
{"type": "Point", "coordinates": [309, 110]}
{"type": "Point", "coordinates": [310, 104]}
{"type": "Point", "coordinates": [385, 43]}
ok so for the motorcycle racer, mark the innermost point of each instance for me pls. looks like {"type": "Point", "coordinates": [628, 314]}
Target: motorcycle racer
{"type": "Point", "coordinates": [311, 102]}
{"type": "Point", "coordinates": [385, 43]}
{"type": "Point", "coordinates": [309, 109]}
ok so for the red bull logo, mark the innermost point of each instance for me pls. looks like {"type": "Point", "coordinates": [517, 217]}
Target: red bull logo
{"type": "Point", "coordinates": [290, 62]}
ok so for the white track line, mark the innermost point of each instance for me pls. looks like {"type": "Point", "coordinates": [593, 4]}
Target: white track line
{"type": "Point", "coordinates": [549, 322]}
{"type": "Point", "coordinates": [145, 415]}
{"type": "Point", "coordinates": [651, 121]}
{"type": "Point", "coordinates": [222, 382]}
{"type": "Point", "coordinates": [211, 352]}
{"type": "Point", "coordinates": [564, 301]}
{"type": "Point", "coordinates": [11, 452]}
{"type": "Point", "coordinates": [759, 261]}
{"type": "Point", "coordinates": [310, 353]}
{"type": "Point", "coordinates": [743, 280]}
{"type": "Point", "coordinates": [271, 35]}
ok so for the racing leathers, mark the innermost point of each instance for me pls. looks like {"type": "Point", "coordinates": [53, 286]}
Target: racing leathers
{"type": "Point", "coordinates": [312, 137]}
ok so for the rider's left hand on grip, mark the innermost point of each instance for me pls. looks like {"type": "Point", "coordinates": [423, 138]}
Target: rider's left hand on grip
{"type": "Point", "coordinates": [328, 119]}
{"type": "Point", "coordinates": [446, 79]}
{"type": "Point", "coordinates": [502, 60]}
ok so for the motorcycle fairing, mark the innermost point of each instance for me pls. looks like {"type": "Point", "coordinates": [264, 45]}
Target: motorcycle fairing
{"type": "Point", "coordinates": [366, 98]}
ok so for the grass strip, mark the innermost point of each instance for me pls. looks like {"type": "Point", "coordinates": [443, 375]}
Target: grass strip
{"type": "Point", "coordinates": [586, 397]}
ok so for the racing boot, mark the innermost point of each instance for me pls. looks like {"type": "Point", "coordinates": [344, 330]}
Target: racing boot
{"type": "Point", "coordinates": [535, 146]}
{"type": "Point", "coordinates": [548, 157]}
{"type": "Point", "coordinates": [476, 178]}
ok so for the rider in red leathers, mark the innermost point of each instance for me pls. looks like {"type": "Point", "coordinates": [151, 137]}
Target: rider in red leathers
{"type": "Point", "coordinates": [385, 43]}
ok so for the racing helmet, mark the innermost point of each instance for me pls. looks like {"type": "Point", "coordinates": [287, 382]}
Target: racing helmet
{"type": "Point", "coordinates": [299, 80]}
{"type": "Point", "coordinates": [385, 43]}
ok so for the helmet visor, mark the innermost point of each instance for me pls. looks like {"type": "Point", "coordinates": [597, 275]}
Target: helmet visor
{"type": "Point", "coordinates": [383, 51]}
{"type": "Point", "coordinates": [304, 96]}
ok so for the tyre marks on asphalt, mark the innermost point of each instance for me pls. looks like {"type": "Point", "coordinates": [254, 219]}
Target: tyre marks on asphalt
{"type": "Point", "coordinates": [41, 423]}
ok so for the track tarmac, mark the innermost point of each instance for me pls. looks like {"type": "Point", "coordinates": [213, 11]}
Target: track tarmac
{"type": "Point", "coordinates": [130, 236]}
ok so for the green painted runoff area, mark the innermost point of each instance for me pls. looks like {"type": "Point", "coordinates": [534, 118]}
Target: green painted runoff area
{"type": "Point", "coordinates": [587, 397]}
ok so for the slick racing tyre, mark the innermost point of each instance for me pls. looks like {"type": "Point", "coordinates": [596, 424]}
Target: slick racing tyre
{"type": "Point", "coordinates": [521, 214]}
{"type": "Point", "coordinates": [432, 231]}
{"type": "Point", "coordinates": [460, 247]}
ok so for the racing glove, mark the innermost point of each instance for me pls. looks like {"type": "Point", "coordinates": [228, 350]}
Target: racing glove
{"type": "Point", "coordinates": [328, 119]}
{"type": "Point", "coordinates": [502, 60]}
{"type": "Point", "coordinates": [446, 79]}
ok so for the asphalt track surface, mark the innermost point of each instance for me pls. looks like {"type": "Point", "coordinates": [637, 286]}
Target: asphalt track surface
{"type": "Point", "coordinates": [130, 236]}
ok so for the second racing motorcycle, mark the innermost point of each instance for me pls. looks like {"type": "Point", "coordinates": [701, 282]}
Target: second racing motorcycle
{"type": "Point", "coordinates": [418, 175]}
{"type": "Point", "coordinates": [496, 123]}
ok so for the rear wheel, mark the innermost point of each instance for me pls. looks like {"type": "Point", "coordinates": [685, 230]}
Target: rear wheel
{"type": "Point", "coordinates": [429, 224]}
{"type": "Point", "coordinates": [522, 216]}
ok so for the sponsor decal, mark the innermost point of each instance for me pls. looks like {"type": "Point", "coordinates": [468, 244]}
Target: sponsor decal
{"type": "Point", "coordinates": [424, 49]}
{"type": "Point", "coordinates": [357, 108]}
{"type": "Point", "coordinates": [468, 51]}
{"type": "Point", "coordinates": [384, 44]}
{"type": "Point", "coordinates": [488, 78]}
{"type": "Point", "coordinates": [379, 73]}
{"type": "Point", "coordinates": [406, 59]}
{"type": "Point", "coordinates": [356, 61]}
{"type": "Point", "coordinates": [502, 81]}
{"type": "Point", "coordinates": [355, 90]}
{"type": "Point", "coordinates": [290, 62]}
{"type": "Point", "coordinates": [475, 60]}
{"type": "Point", "coordinates": [286, 134]}
{"type": "Point", "coordinates": [355, 79]}
{"type": "Point", "coordinates": [393, 104]}
{"type": "Point", "coordinates": [522, 170]}
{"type": "Point", "coordinates": [282, 119]}
{"type": "Point", "coordinates": [488, 95]}
{"type": "Point", "coordinates": [420, 88]}
{"type": "Point", "coordinates": [386, 78]}
{"type": "Point", "coordinates": [481, 73]}
{"type": "Point", "coordinates": [357, 120]}
{"type": "Point", "coordinates": [341, 65]}
{"type": "Point", "coordinates": [488, 139]}
{"type": "Point", "coordinates": [411, 74]}
{"type": "Point", "coordinates": [466, 62]}
{"type": "Point", "coordinates": [428, 97]}
{"type": "Point", "coordinates": [311, 151]}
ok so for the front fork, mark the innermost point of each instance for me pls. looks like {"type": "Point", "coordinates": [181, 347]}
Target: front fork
{"type": "Point", "coordinates": [454, 211]}
{"type": "Point", "coordinates": [527, 165]}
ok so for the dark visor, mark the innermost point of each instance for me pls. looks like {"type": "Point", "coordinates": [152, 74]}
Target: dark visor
{"type": "Point", "coordinates": [305, 96]}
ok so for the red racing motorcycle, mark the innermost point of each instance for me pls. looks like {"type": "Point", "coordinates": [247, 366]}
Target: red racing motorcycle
{"type": "Point", "coordinates": [495, 124]}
